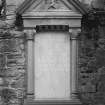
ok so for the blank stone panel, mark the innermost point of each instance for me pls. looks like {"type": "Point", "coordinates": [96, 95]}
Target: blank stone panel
{"type": "Point", "coordinates": [52, 66]}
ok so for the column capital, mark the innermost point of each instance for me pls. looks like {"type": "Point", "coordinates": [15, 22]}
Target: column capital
{"type": "Point", "coordinates": [74, 33]}
{"type": "Point", "coordinates": [30, 34]}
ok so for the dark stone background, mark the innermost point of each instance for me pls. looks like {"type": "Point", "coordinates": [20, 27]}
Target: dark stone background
{"type": "Point", "coordinates": [92, 60]}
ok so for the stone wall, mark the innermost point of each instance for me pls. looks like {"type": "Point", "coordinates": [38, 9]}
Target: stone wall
{"type": "Point", "coordinates": [92, 60]}
{"type": "Point", "coordinates": [12, 67]}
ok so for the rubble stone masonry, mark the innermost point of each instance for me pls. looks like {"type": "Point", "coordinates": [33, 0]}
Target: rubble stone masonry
{"type": "Point", "coordinates": [12, 68]}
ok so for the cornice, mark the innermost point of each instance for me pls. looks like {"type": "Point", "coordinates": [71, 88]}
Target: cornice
{"type": "Point", "coordinates": [52, 14]}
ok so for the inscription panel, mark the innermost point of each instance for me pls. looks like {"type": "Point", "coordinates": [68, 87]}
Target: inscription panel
{"type": "Point", "coordinates": [52, 66]}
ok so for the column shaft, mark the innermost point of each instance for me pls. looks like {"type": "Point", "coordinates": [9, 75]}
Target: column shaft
{"type": "Point", "coordinates": [74, 68]}
{"type": "Point", "coordinates": [74, 63]}
{"type": "Point", "coordinates": [30, 65]}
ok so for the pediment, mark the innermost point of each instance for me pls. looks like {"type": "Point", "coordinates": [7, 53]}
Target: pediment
{"type": "Point", "coordinates": [51, 5]}
{"type": "Point", "coordinates": [35, 6]}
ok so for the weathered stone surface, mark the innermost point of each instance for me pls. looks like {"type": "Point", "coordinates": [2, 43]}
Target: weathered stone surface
{"type": "Point", "coordinates": [12, 62]}
{"type": "Point", "coordinates": [12, 68]}
{"type": "Point", "coordinates": [92, 64]}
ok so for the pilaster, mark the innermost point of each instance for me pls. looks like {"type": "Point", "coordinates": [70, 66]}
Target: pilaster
{"type": "Point", "coordinates": [30, 63]}
{"type": "Point", "coordinates": [74, 63]}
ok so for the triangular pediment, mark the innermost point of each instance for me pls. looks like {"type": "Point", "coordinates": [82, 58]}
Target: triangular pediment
{"type": "Point", "coordinates": [50, 5]}
{"type": "Point", "coordinates": [73, 6]}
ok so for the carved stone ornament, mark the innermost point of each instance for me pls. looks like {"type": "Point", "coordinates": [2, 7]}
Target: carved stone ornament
{"type": "Point", "coordinates": [51, 3]}
{"type": "Point", "coordinates": [30, 34]}
{"type": "Point", "coordinates": [74, 33]}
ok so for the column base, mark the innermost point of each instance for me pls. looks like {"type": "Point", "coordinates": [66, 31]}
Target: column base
{"type": "Point", "coordinates": [74, 96]}
{"type": "Point", "coordinates": [71, 102]}
{"type": "Point", "coordinates": [30, 96]}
